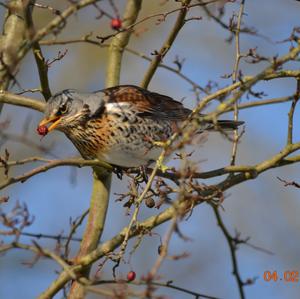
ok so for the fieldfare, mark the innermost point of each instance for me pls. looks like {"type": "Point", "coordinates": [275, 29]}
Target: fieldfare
{"type": "Point", "coordinates": [121, 125]}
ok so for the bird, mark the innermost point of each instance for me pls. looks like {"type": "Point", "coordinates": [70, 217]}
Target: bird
{"type": "Point", "coordinates": [120, 125]}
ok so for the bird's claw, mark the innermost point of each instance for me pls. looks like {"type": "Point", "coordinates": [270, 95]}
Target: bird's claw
{"type": "Point", "coordinates": [118, 171]}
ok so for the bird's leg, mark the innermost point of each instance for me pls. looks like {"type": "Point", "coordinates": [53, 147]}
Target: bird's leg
{"type": "Point", "coordinates": [143, 171]}
{"type": "Point", "coordinates": [142, 176]}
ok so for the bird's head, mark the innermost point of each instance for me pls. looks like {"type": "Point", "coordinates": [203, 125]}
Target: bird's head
{"type": "Point", "coordinates": [69, 108]}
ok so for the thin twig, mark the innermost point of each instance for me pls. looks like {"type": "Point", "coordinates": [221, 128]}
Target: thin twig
{"type": "Point", "coordinates": [47, 236]}
{"type": "Point", "coordinates": [232, 247]}
{"type": "Point", "coordinates": [162, 17]}
{"type": "Point", "coordinates": [164, 249]}
{"type": "Point", "coordinates": [238, 57]}
{"type": "Point", "coordinates": [168, 284]}
{"type": "Point", "coordinates": [87, 39]}
{"type": "Point", "coordinates": [54, 163]}
{"type": "Point", "coordinates": [291, 113]}
{"type": "Point", "coordinates": [292, 183]}
{"type": "Point", "coordinates": [74, 227]}
{"type": "Point", "coordinates": [138, 203]}
{"type": "Point", "coordinates": [167, 44]}
{"type": "Point", "coordinates": [42, 251]}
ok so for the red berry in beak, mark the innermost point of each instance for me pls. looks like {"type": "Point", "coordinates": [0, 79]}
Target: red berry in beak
{"type": "Point", "coordinates": [42, 130]}
{"type": "Point", "coordinates": [116, 24]}
{"type": "Point", "coordinates": [131, 276]}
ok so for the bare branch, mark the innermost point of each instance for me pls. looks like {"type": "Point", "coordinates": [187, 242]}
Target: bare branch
{"type": "Point", "coordinates": [52, 164]}
{"type": "Point", "coordinates": [291, 112]}
{"type": "Point", "coordinates": [39, 58]}
{"type": "Point", "coordinates": [168, 284]}
{"type": "Point", "coordinates": [233, 248]}
{"type": "Point", "coordinates": [13, 99]}
{"type": "Point", "coordinates": [238, 57]}
{"type": "Point", "coordinates": [167, 44]}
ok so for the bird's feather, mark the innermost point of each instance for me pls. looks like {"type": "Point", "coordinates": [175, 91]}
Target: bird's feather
{"type": "Point", "coordinates": [147, 103]}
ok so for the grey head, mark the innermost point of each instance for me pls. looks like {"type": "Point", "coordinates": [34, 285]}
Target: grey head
{"type": "Point", "coordinates": [70, 108]}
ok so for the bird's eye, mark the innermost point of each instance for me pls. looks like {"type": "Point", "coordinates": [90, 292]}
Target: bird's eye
{"type": "Point", "coordinates": [63, 109]}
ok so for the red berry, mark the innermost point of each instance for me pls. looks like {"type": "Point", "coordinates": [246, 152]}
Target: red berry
{"type": "Point", "coordinates": [131, 276]}
{"type": "Point", "coordinates": [116, 23]}
{"type": "Point", "coordinates": [42, 130]}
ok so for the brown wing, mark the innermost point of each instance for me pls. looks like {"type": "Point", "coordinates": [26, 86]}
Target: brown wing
{"type": "Point", "coordinates": [150, 104]}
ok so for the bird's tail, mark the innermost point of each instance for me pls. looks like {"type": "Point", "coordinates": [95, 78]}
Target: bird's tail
{"type": "Point", "coordinates": [227, 125]}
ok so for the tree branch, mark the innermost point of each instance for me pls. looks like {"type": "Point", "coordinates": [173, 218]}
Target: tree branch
{"type": "Point", "coordinates": [168, 284]}
{"type": "Point", "coordinates": [52, 164]}
{"type": "Point", "coordinates": [119, 43]}
{"type": "Point", "coordinates": [102, 177]}
{"type": "Point", "coordinates": [238, 57]}
{"type": "Point", "coordinates": [180, 21]}
{"type": "Point", "coordinates": [156, 220]}
{"type": "Point", "coordinates": [13, 38]}
{"type": "Point", "coordinates": [291, 112]}
{"type": "Point", "coordinates": [13, 99]}
{"type": "Point", "coordinates": [232, 247]}
{"type": "Point", "coordinates": [38, 56]}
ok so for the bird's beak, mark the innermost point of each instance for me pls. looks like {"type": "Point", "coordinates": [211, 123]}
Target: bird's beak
{"type": "Point", "coordinates": [55, 120]}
